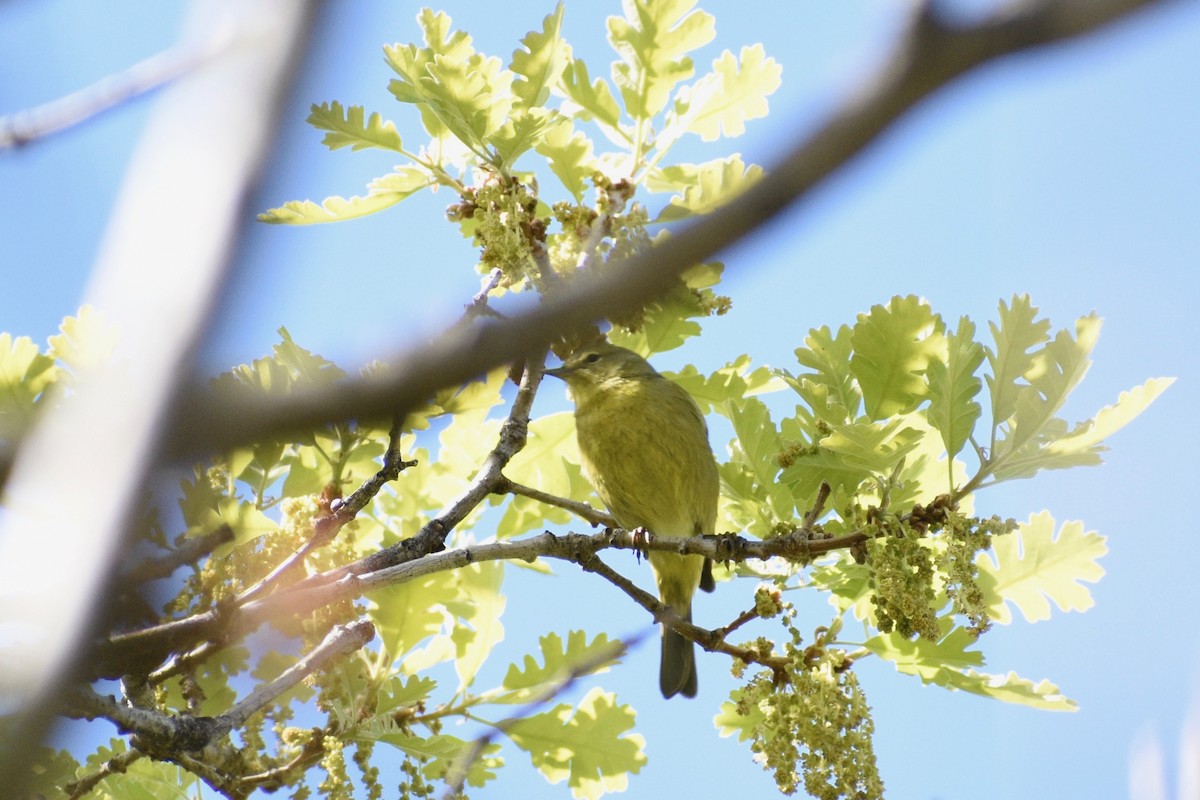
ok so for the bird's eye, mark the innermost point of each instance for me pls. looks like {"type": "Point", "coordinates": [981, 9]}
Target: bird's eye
{"type": "Point", "coordinates": [592, 358]}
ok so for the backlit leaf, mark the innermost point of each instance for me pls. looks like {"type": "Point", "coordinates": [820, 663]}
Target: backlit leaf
{"type": "Point", "coordinates": [953, 387]}
{"type": "Point", "coordinates": [589, 746]}
{"type": "Point", "coordinates": [1031, 567]}
{"type": "Point", "coordinates": [350, 127]}
{"type": "Point", "coordinates": [893, 345]}
{"type": "Point", "coordinates": [652, 41]}
{"type": "Point", "coordinates": [540, 63]}
{"type": "Point", "coordinates": [721, 102]}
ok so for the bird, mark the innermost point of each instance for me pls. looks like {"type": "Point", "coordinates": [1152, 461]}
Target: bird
{"type": "Point", "coordinates": [644, 446]}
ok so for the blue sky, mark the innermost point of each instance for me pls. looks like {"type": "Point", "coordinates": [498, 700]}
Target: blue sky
{"type": "Point", "coordinates": [1068, 174]}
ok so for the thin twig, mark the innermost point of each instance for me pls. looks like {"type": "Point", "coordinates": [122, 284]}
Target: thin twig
{"type": "Point", "coordinates": [116, 765]}
{"type": "Point", "coordinates": [327, 527]}
{"type": "Point", "coordinates": [191, 551]}
{"type": "Point", "coordinates": [744, 618]}
{"type": "Point", "coordinates": [456, 776]}
{"type": "Point", "coordinates": [581, 510]}
{"type": "Point", "coordinates": [23, 127]}
{"type": "Point", "coordinates": [711, 641]}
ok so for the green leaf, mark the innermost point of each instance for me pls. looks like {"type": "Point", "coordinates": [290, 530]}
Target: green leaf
{"type": "Point", "coordinates": [84, 341]}
{"type": "Point", "coordinates": [408, 613]}
{"type": "Point", "coordinates": [1056, 448]}
{"type": "Point", "coordinates": [1088, 436]}
{"type": "Point", "coordinates": [1055, 371]}
{"type": "Point", "coordinates": [1015, 335]}
{"type": "Point", "coordinates": [669, 322]}
{"type": "Point", "coordinates": [25, 374]}
{"type": "Point", "coordinates": [521, 131]}
{"type": "Point", "coordinates": [731, 719]}
{"type": "Point", "coordinates": [482, 610]}
{"type": "Point", "coordinates": [571, 158]}
{"type": "Point", "coordinates": [593, 100]}
{"type": "Point", "coordinates": [928, 660]}
{"type": "Point", "coordinates": [383, 192]}
{"type": "Point", "coordinates": [588, 746]}
{"type": "Point", "coordinates": [953, 388]}
{"type": "Point", "coordinates": [892, 347]}
{"type": "Point", "coordinates": [400, 692]}
{"type": "Point", "coordinates": [730, 382]}
{"type": "Point", "coordinates": [850, 454]}
{"type": "Point", "coordinates": [248, 522]}
{"type": "Point", "coordinates": [754, 498]}
{"type": "Point", "coordinates": [1010, 688]}
{"type": "Point", "coordinates": [457, 89]}
{"type": "Point", "coordinates": [651, 41]}
{"type": "Point", "coordinates": [308, 368]}
{"type": "Point", "coordinates": [470, 97]}
{"type": "Point", "coordinates": [949, 664]}
{"type": "Point", "coordinates": [830, 390]}
{"type": "Point", "coordinates": [473, 396]}
{"type": "Point", "coordinates": [706, 186]}
{"type": "Point", "coordinates": [541, 62]}
{"type": "Point", "coordinates": [721, 102]}
{"type": "Point", "coordinates": [1031, 567]}
{"type": "Point", "coordinates": [559, 660]}
{"type": "Point", "coordinates": [439, 752]}
{"type": "Point", "coordinates": [349, 127]}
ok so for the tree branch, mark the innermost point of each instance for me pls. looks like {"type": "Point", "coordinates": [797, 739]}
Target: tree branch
{"type": "Point", "coordinates": [23, 127]}
{"type": "Point", "coordinates": [930, 55]}
{"type": "Point", "coordinates": [581, 510]}
{"type": "Point", "coordinates": [191, 551]}
{"type": "Point", "coordinates": [166, 735]}
{"type": "Point", "coordinates": [124, 652]}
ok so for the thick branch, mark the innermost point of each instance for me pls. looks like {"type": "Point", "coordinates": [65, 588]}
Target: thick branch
{"type": "Point", "coordinates": [929, 56]}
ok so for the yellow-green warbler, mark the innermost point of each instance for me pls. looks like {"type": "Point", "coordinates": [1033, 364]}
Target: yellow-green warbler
{"type": "Point", "coordinates": [644, 446]}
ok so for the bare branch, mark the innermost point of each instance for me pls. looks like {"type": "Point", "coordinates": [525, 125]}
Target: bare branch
{"type": "Point", "coordinates": [191, 551]}
{"type": "Point", "coordinates": [581, 510]}
{"type": "Point", "coordinates": [395, 566]}
{"type": "Point", "coordinates": [165, 735]}
{"type": "Point", "coordinates": [113, 766]}
{"type": "Point", "coordinates": [23, 127]}
{"type": "Point", "coordinates": [711, 641]}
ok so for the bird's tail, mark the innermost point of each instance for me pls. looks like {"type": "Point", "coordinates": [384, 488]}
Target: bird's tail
{"type": "Point", "coordinates": [677, 673]}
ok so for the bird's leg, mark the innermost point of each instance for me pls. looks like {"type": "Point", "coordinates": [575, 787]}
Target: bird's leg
{"type": "Point", "coordinates": [641, 538]}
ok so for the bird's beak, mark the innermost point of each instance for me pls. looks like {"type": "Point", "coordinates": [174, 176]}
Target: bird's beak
{"type": "Point", "coordinates": [559, 372]}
